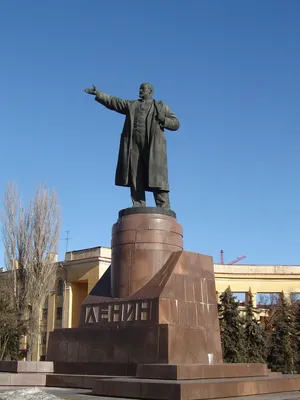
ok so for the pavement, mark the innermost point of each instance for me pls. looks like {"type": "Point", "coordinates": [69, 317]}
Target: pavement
{"type": "Point", "coordinates": [85, 394]}
{"type": "Point", "coordinates": [64, 393]}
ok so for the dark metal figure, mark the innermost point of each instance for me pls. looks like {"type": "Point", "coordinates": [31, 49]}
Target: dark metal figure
{"type": "Point", "coordinates": [142, 162]}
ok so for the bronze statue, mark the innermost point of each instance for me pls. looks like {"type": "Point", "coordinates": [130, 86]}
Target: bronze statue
{"type": "Point", "coordinates": [142, 162]}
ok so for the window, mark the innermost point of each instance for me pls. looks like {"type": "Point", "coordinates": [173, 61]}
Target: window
{"type": "Point", "coordinates": [295, 297]}
{"type": "Point", "coordinates": [267, 299]}
{"type": "Point", "coordinates": [59, 313]}
{"type": "Point", "coordinates": [43, 337]}
{"type": "Point", "coordinates": [60, 287]}
{"type": "Point", "coordinates": [240, 297]}
{"type": "Point", "coordinates": [45, 313]}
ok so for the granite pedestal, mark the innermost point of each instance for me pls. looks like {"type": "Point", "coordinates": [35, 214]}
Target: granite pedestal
{"type": "Point", "coordinates": [153, 316]}
{"type": "Point", "coordinates": [155, 304]}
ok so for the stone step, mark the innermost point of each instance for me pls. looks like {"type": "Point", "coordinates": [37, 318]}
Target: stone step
{"type": "Point", "coordinates": [197, 389]}
{"type": "Point", "coordinates": [200, 371]}
{"type": "Point", "coordinates": [26, 366]}
{"type": "Point", "coordinates": [272, 396]}
{"type": "Point", "coordinates": [82, 381]}
{"type": "Point", "coordinates": [95, 368]}
{"type": "Point", "coordinates": [22, 379]}
{"type": "Point", "coordinates": [275, 373]}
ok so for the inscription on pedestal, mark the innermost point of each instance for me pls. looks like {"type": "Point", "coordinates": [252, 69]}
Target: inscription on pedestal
{"type": "Point", "coordinates": [119, 312]}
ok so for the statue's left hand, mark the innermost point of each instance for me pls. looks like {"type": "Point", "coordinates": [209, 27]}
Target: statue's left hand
{"type": "Point", "coordinates": [161, 118]}
{"type": "Point", "coordinates": [93, 91]}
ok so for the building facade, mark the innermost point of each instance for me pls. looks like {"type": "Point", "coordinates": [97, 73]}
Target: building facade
{"type": "Point", "coordinates": [265, 282]}
{"type": "Point", "coordinates": [76, 277]}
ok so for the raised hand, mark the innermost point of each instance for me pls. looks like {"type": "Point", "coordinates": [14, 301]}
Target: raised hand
{"type": "Point", "coordinates": [93, 91]}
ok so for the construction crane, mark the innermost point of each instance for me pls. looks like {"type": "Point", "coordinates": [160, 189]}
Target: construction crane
{"type": "Point", "coordinates": [232, 262]}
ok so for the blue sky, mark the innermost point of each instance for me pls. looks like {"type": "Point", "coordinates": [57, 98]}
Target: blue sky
{"type": "Point", "coordinates": [228, 69]}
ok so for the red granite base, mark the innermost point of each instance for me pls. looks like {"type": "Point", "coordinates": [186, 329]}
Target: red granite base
{"type": "Point", "coordinates": [200, 371]}
{"type": "Point", "coordinates": [195, 389]}
{"type": "Point", "coordinates": [155, 309]}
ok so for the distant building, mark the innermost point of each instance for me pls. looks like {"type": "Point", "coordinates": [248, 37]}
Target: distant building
{"type": "Point", "coordinates": [265, 281]}
{"type": "Point", "coordinates": [76, 276]}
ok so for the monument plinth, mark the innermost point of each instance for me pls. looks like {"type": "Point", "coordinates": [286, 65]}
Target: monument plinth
{"type": "Point", "coordinates": [152, 322]}
{"type": "Point", "coordinates": [141, 244]}
{"type": "Point", "coordinates": [155, 304]}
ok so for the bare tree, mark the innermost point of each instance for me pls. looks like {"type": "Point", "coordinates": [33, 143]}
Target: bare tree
{"type": "Point", "coordinates": [30, 238]}
{"type": "Point", "coordinates": [11, 327]}
{"type": "Point", "coordinates": [268, 303]}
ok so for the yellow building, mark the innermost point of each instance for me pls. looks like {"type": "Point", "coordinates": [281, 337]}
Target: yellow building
{"type": "Point", "coordinates": [76, 276]}
{"type": "Point", "coordinates": [265, 281]}
{"type": "Point", "coordinates": [82, 269]}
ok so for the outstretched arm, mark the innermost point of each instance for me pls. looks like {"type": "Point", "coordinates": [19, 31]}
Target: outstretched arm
{"type": "Point", "coordinates": [110, 102]}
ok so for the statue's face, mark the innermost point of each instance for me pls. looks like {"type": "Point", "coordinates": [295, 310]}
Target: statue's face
{"type": "Point", "coordinates": [145, 90]}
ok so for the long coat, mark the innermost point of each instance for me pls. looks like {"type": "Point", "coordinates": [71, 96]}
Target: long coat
{"type": "Point", "coordinates": [158, 167]}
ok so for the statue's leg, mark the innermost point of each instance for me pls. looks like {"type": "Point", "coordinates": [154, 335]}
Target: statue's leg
{"type": "Point", "coordinates": [138, 197]}
{"type": "Point", "coordinates": [162, 199]}
{"type": "Point", "coordinates": [137, 173]}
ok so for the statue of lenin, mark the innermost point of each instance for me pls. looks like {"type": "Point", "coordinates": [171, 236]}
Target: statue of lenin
{"type": "Point", "coordinates": [142, 161]}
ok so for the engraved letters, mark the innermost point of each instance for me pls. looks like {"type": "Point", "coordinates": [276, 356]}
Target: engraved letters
{"type": "Point", "coordinates": [119, 312]}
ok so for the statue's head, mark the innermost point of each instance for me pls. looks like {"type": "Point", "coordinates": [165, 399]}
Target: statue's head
{"type": "Point", "coordinates": [146, 90]}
